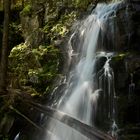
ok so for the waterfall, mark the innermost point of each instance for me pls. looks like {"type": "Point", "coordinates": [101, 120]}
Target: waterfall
{"type": "Point", "coordinates": [90, 92]}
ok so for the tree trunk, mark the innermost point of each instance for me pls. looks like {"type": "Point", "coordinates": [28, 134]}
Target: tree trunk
{"type": "Point", "coordinates": [4, 53]}
{"type": "Point", "coordinates": [22, 3]}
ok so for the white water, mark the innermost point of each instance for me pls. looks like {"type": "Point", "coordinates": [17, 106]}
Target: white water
{"type": "Point", "coordinates": [80, 99]}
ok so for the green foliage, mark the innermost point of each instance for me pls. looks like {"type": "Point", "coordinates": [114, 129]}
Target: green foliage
{"type": "Point", "coordinates": [26, 10]}
{"type": "Point", "coordinates": [61, 27]}
{"type": "Point", "coordinates": [82, 3]}
{"type": "Point", "coordinates": [74, 3]}
{"type": "Point", "coordinates": [34, 67]}
{"type": "Point", "coordinates": [15, 34]}
{"type": "Point", "coordinates": [37, 67]}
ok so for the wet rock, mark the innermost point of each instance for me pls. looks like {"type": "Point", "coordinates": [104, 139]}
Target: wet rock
{"type": "Point", "coordinates": [127, 31]}
{"type": "Point", "coordinates": [29, 24]}
{"type": "Point", "coordinates": [36, 38]}
{"type": "Point", "coordinates": [127, 86]}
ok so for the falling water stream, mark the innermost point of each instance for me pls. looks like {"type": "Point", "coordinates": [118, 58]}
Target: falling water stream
{"type": "Point", "coordinates": [89, 95]}
{"type": "Point", "coordinates": [87, 85]}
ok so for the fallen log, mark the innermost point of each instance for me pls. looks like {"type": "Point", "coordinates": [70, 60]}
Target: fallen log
{"type": "Point", "coordinates": [84, 129]}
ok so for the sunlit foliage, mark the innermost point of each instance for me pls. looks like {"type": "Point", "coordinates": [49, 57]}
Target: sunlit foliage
{"type": "Point", "coordinates": [33, 66]}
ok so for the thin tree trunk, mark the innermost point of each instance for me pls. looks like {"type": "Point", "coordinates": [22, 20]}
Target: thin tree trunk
{"type": "Point", "coordinates": [4, 53]}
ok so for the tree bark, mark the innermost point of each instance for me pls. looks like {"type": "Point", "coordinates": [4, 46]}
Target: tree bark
{"type": "Point", "coordinates": [4, 53]}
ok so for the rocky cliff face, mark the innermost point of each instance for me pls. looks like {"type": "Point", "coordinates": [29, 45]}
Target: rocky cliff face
{"type": "Point", "coordinates": [126, 66]}
{"type": "Point", "coordinates": [32, 20]}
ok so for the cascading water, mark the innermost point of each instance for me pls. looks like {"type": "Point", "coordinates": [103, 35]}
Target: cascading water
{"type": "Point", "coordinates": [90, 92]}
{"type": "Point", "coordinates": [106, 82]}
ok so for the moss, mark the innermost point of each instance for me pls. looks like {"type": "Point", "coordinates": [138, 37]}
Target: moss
{"type": "Point", "coordinates": [120, 56]}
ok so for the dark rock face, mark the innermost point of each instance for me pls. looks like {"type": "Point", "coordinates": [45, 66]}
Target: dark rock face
{"type": "Point", "coordinates": [126, 65]}
{"type": "Point", "coordinates": [32, 22]}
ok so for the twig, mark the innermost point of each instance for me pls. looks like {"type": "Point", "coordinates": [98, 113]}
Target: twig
{"type": "Point", "coordinates": [26, 118]}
